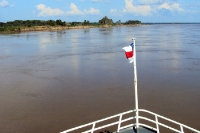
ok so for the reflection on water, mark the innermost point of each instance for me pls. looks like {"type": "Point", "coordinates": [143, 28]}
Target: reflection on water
{"type": "Point", "coordinates": [52, 81]}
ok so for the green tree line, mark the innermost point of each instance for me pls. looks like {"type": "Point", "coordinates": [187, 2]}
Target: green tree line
{"type": "Point", "coordinates": [17, 24]}
{"type": "Point", "coordinates": [29, 23]}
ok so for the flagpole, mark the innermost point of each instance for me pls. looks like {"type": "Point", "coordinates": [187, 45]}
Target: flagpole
{"type": "Point", "coordinates": [135, 84]}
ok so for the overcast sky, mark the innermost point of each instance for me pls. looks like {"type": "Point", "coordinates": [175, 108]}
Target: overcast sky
{"type": "Point", "coordinates": [94, 10]}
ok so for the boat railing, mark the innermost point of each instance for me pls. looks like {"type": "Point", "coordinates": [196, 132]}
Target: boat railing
{"type": "Point", "coordinates": [121, 120]}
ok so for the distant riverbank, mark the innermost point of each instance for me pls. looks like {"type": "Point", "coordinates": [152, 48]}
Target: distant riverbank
{"type": "Point", "coordinates": [42, 28]}
{"type": "Point", "coordinates": [55, 28]}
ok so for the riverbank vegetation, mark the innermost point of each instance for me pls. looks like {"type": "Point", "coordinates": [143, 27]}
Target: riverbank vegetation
{"type": "Point", "coordinates": [40, 25]}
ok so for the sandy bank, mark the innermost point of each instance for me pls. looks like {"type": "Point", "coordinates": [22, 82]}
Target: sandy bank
{"type": "Point", "coordinates": [47, 28]}
{"type": "Point", "coordinates": [56, 28]}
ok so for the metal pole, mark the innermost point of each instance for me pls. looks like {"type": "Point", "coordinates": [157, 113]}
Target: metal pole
{"type": "Point", "coordinates": [135, 84]}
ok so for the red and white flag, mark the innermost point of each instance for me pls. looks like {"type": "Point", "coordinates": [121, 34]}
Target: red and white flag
{"type": "Point", "coordinates": [129, 52]}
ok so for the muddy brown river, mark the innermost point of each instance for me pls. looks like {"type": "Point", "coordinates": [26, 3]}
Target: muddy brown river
{"type": "Point", "coordinates": [53, 81]}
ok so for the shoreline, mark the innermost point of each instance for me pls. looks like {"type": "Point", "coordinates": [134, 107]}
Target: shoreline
{"type": "Point", "coordinates": [58, 28]}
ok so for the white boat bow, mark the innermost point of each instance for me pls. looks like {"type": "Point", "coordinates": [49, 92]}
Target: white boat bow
{"type": "Point", "coordinates": [131, 128]}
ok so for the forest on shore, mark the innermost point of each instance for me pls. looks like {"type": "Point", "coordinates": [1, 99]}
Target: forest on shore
{"type": "Point", "coordinates": [39, 25]}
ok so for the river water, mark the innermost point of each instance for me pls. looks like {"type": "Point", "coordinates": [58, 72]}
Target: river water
{"type": "Point", "coordinates": [53, 81]}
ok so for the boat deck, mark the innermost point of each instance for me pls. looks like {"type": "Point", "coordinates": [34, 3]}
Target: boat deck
{"type": "Point", "coordinates": [140, 130]}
